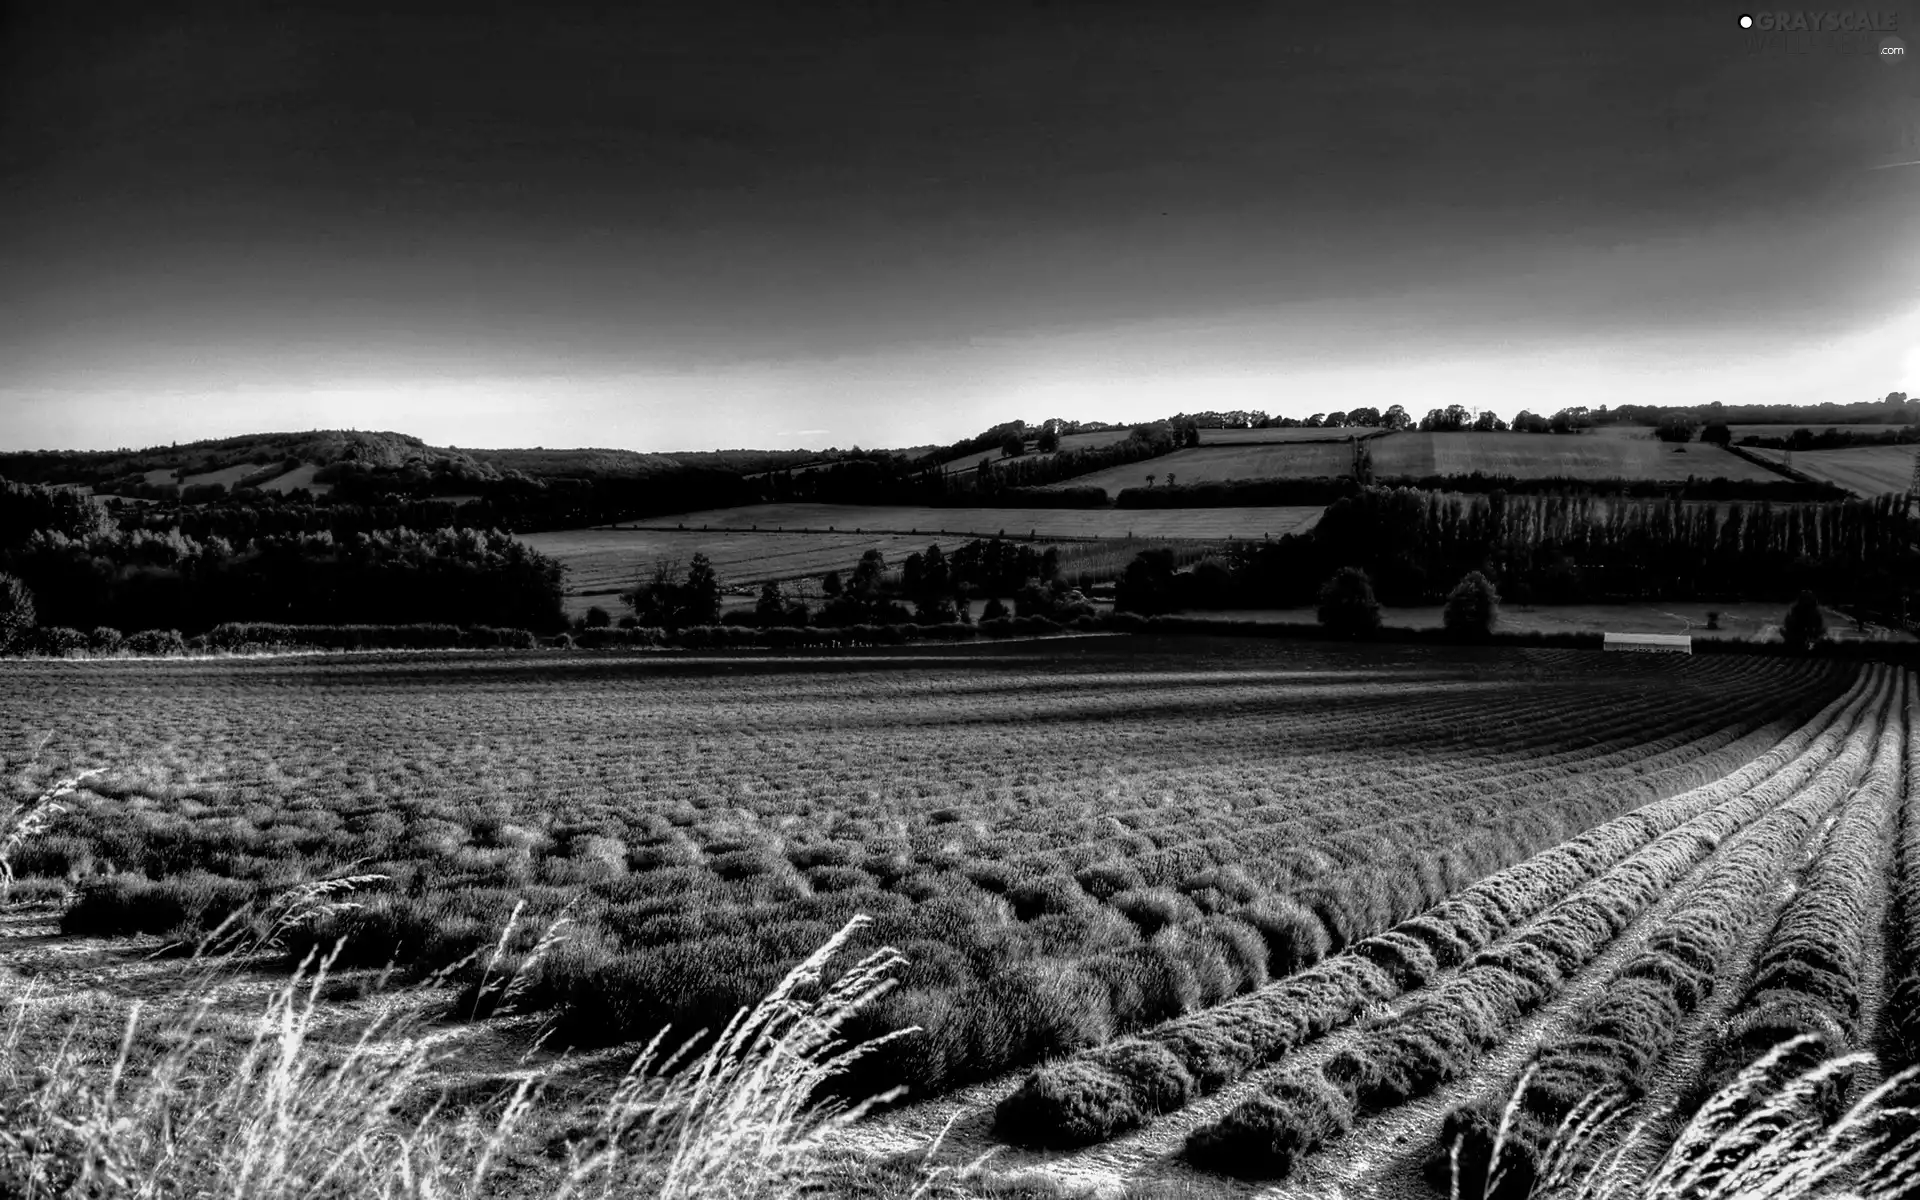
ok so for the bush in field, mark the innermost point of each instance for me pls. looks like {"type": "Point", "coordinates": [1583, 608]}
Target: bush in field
{"type": "Point", "coordinates": [57, 641]}
{"type": "Point", "coordinates": [16, 612]}
{"type": "Point", "coordinates": [598, 618]}
{"type": "Point", "coordinates": [156, 641]}
{"type": "Point", "coordinates": [995, 610]}
{"type": "Point", "coordinates": [660, 599]}
{"type": "Point", "coordinates": [1804, 625]}
{"type": "Point", "coordinates": [1147, 587]}
{"type": "Point", "coordinates": [1055, 601]}
{"type": "Point", "coordinates": [1472, 607]}
{"type": "Point", "coordinates": [1347, 606]}
{"type": "Point", "coordinates": [104, 640]}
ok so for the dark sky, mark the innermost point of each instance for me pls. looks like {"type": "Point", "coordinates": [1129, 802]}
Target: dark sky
{"type": "Point", "coordinates": [687, 225]}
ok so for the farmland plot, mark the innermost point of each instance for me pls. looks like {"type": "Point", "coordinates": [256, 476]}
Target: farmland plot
{"type": "Point", "coordinates": [1536, 456]}
{"type": "Point", "coordinates": [1862, 470]}
{"type": "Point", "coordinates": [1654, 953]}
{"type": "Point", "coordinates": [1071, 847]}
{"type": "Point", "coordinates": [1215, 464]}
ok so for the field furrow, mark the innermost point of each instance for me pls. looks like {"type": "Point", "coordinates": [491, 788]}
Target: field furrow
{"type": "Point", "coordinates": [1111, 1089]}
{"type": "Point", "coordinates": [1444, 1036]}
{"type": "Point", "coordinates": [1620, 1040]}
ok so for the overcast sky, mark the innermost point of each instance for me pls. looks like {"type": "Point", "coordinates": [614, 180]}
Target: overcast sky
{"type": "Point", "coordinates": [882, 222]}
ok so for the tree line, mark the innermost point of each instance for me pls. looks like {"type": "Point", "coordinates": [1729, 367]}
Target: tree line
{"type": "Point", "coordinates": [82, 569]}
{"type": "Point", "coordinates": [1414, 546]}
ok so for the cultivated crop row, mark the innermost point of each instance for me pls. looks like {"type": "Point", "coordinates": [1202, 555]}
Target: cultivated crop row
{"type": "Point", "coordinates": [1108, 1090]}
{"type": "Point", "coordinates": [1812, 973]}
{"type": "Point", "coordinates": [1623, 1035]}
{"type": "Point", "coordinates": [704, 830]}
{"type": "Point", "coordinates": [1439, 1037]}
{"type": "Point", "coordinates": [1573, 734]}
{"type": "Point", "coordinates": [1903, 1006]}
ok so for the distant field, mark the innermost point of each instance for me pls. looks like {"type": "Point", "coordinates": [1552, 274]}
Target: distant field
{"type": "Point", "coordinates": [1538, 455]}
{"type": "Point", "coordinates": [1241, 437]}
{"type": "Point", "coordinates": [300, 477]}
{"type": "Point", "coordinates": [1862, 470]}
{"type": "Point", "coordinates": [1744, 620]}
{"type": "Point", "coordinates": [1615, 454]}
{"type": "Point", "coordinates": [1213, 464]}
{"type": "Point", "coordinates": [226, 477]}
{"type": "Point", "coordinates": [1070, 441]}
{"type": "Point", "coordinates": [1786, 430]}
{"type": "Point", "coordinates": [807, 540]}
{"type": "Point", "coordinates": [1014, 522]}
{"type": "Point", "coordinates": [604, 562]}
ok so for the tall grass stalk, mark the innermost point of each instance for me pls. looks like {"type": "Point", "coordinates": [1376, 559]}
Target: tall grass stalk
{"type": "Point", "coordinates": [30, 819]}
{"type": "Point", "coordinates": [179, 1111]}
{"type": "Point", "coordinates": [1762, 1137]}
{"type": "Point", "coordinates": [741, 1119]}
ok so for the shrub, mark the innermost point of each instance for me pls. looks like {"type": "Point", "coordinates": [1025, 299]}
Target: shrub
{"type": "Point", "coordinates": [1804, 625]}
{"type": "Point", "coordinates": [598, 618]}
{"type": "Point", "coordinates": [16, 613]}
{"type": "Point", "coordinates": [57, 641]}
{"type": "Point", "coordinates": [1347, 606]}
{"type": "Point", "coordinates": [1473, 607]}
{"type": "Point", "coordinates": [103, 640]}
{"type": "Point", "coordinates": [156, 641]}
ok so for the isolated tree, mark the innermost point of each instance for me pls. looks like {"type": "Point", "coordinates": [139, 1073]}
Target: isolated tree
{"type": "Point", "coordinates": [1049, 441]}
{"type": "Point", "coordinates": [1472, 607]}
{"type": "Point", "coordinates": [1150, 479]}
{"type": "Point", "coordinates": [1717, 434]}
{"type": "Point", "coordinates": [1395, 418]}
{"type": "Point", "coordinates": [16, 613]}
{"type": "Point", "coordinates": [598, 618]}
{"type": "Point", "coordinates": [655, 600]}
{"type": "Point", "coordinates": [994, 611]}
{"type": "Point", "coordinates": [1146, 586]}
{"type": "Point", "coordinates": [1674, 428]}
{"type": "Point", "coordinates": [771, 608]}
{"type": "Point", "coordinates": [1169, 478]}
{"type": "Point", "coordinates": [1804, 625]}
{"type": "Point", "coordinates": [1050, 564]}
{"type": "Point", "coordinates": [1208, 585]}
{"type": "Point", "coordinates": [700, 599]}
{"type": "Point", "coordinates": [865, 582]}
{"type": "Point", "coordinates": [1013, 445]}
{"type": "Point", "coordinates": [1347, 606]}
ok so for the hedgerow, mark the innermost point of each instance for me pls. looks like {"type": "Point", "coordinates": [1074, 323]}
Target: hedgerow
{"type": "Point", "coordinates": [1441, 1035]}
{"type": "Point", "coordinates": [1626, 1030]}
{"type": "Point", "coordinates": [1082, 1100]}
